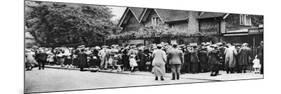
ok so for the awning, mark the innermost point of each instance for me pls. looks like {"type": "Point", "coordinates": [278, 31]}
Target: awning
{"type": "Point", "coordinates": [236, 34]}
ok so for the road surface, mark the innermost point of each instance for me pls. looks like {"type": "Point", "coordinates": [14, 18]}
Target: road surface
{"type": "Point", "coordinates": [59, 80]}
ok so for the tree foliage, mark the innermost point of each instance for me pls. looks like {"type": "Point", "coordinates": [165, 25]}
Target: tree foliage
{"type": "Point", "coordinates": [60, 24]}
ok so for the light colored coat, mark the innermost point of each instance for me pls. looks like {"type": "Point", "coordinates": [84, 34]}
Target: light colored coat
{"type": "Point", "coordinates": [230, 60]}
{"type": "Point", "coordinates": [158, 63]}
{"type": "Point", "coordinates": [175, 56]}
{"type": "Point", "coordinates": [159, 57]}
{"type": "Point", "coordinates": [30, 58]}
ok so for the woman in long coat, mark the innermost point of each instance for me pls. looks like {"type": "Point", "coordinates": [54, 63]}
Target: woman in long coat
{"type": "Point", "coordinates": [203, 58]}
{"type": "Point", "coordinates": [148, 60]}
{"type": "Point", "coordinates": [141, 60]}
{"type": "Point", "coordinates": [194, 60]}
{"type": "Point", "coordinates": [186, 65]}
{"type": "Point", "coordinates": [125, 59]}
{"type": "Point", "coordinates": [75, 58]}
{"type": "Point", "coordinates": [158, 63]}
{"type": "Point", "coordinates": [214, 60]}
{"type": "Point", "coordinates": [82, 59]}
{"type": "Point", "coordinates": [230, 60]}
{"type": "Point", "coordinates": [244, 58]}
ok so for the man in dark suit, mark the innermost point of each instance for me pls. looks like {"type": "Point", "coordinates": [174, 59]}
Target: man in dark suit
{"type": "Point", "coordinates": [175, 58]}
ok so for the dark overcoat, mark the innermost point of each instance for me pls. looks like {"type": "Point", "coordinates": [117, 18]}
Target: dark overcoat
{"type": "Point", "coordinates": [82, 60]}
{"type": "Point", "coordinates": [244, 56]}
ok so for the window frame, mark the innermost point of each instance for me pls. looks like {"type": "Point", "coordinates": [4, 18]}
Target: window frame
{"type": "Point", "coordinates": [155, 20]}
{"type": "Point", "coordinates": [245, 20]}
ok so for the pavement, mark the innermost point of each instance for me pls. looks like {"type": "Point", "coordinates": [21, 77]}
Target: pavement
{"type": "Point", "coordinates": [222, 77]}
{"type": "Point", "coordinates": [56, 78]}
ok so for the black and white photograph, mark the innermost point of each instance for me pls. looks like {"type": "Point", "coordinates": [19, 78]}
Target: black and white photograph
{"type": "Point", "coordinates": [76, 46]}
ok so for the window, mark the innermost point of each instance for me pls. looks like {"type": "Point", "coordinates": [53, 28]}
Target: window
{"type": "Point", "coordinates": [155, 20]}
{"type": "Point", "coordinates": [245, 20]}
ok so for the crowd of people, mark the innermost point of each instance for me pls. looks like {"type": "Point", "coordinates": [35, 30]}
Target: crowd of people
{"type": "Point", "coordinates": [155, 58]}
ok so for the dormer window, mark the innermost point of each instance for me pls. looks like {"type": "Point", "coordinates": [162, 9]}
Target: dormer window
{"type": "Point", "coordinates": [155, 20]}
{"type": "Point", "coordinates": [245, 20]}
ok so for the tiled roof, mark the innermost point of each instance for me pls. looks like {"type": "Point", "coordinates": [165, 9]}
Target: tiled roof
{"type": "Point", "coordinates": [211, 15]}
{"type": "Point", "coordinates": [172, 15]}
{"type": "Point", "coordinates": [168, 15]}
{"type": "Point", "coordinates": [137, 11]}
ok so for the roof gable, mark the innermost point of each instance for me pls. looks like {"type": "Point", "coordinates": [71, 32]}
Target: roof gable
{"type": "Point", "coordinates": [135, 11]}
{"type": "Point", "coordinates": [147, 13]}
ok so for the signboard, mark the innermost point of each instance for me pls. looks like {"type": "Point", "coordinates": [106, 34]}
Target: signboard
{"type": "Point", "coordinates": [238, 31]}
{"type": "Point", "coordinates": [255, 30]}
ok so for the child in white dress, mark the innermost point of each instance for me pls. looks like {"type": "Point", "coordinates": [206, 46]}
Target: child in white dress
{"type": "Point", "coordinates": [133, 62]}
{"type": "Point", "coordinates": [256, 65]}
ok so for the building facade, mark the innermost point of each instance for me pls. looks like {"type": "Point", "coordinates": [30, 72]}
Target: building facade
{"type": "Point", "coordinates": [210, 26]}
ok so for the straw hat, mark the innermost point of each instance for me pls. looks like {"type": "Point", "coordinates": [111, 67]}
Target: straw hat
{"type": "Point", "coordinates": [97, 47]}
{"type": "Point", "coordinates": [245, 44]}
{"type": "Point", "coordinates": [27, 50]}
{"type": "Point", "coordinates": [219, 44]}
{"type": "Point", "coordinates": [81, 46]}
{"type": "Point", "coordinates": [214, 45]}
{"type": "Point", "coordinates": [203, 43]}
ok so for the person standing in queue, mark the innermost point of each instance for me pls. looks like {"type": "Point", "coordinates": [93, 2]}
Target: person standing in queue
{"type": "Point", "coordinates": [186, 66]}
{"type": "Point", "coordinates": [203, 58]}
{"type": "Point", "coordinates": [194, 60]}
{"type": "Point", "coordinates": [175, 59]}
{"type": "Point", "coordinates": [133, 58]}
{"type": "Point", "coordinates": [158, 63]}
{"type": "Point", "coordinates": [230, 59]}
{"type": "Point", "coordinates": [221, 49]}
{"type": "Point", "coordinates": [30, 60]}
{"type": "Point", "coordinates": [82, 59]}
{"type": "Point", "coordinates": [214, 60]}
{"type": "Point", "coordinates": [41, 58]}
{"type": "Point", "coordinates": [102, 55]}
{"type": "Point", "coordinates": [260, 56]}
{"type": "Point", "coordinates": [244, 58]}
